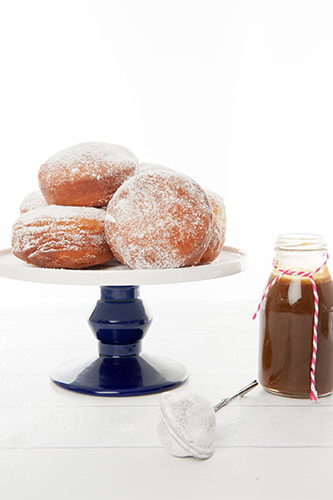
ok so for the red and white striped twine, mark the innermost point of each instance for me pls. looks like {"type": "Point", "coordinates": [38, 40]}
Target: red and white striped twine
{"type": "Point", "coordinates": [289, 272]}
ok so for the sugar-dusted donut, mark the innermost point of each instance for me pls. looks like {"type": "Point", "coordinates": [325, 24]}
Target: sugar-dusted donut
{"type": "Point", "coordinates": [61, 237]}
{"type": "Point", "coordinates": [217, 239]}
{"type": "Point", "coordinates": [159, 219]}
{"type": "Point", "coordinates": [86, 174]}
{"type": "Point", "coordinates": [144, 167]}
{"type": "Point", "coordinates": [32, 200]}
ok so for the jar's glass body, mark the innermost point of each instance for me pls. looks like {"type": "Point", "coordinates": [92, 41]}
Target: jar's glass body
{"type": "Point", "coordinates": [286, 322]}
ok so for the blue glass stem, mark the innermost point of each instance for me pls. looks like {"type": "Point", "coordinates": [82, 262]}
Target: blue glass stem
{"type": "Point", "coordinates": [120, 321]}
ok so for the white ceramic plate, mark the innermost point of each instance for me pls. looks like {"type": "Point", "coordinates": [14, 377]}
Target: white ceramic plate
{"type": "Point", "coordinates": [230, 261]}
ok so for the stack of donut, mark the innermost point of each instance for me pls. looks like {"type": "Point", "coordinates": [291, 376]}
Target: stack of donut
{"type": "Point", "coordinates": [96, 203]}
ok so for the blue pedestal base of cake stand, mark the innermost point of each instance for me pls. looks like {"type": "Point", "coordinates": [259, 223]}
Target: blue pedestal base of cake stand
{"type": "Point", "coordinates": [119, 321]}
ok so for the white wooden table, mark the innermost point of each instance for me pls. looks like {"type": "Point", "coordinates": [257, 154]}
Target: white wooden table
{"type": "Point", "coordinates": [55, 444]}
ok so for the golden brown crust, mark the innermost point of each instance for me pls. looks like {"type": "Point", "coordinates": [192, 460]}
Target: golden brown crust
{"type": "Point", "coordinates": [159, 219]}
{"type": "Point", "coordinates": [61, 237]}
{"type": "Point", "coordinates": [32, 200]}
{"type": "Point", "coordinates": [217, 239]}
{"type": "Point", "coordinates": [86, 174]}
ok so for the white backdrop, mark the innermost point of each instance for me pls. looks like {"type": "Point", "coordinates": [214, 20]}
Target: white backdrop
{"type": "Point", "coordinates": [237, 94]}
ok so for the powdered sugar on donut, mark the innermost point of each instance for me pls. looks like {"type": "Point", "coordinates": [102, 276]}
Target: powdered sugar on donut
{"type": "Point", "coordinates": [217, 239]}
{"type": "Point", "coordinates": [32, 200]}
{"type": "Point", "coordinates": [144, 167]}
{"type": "Point", "coordinates": [70, 162]}
{"type": "Point", "coordinates": [57, 236]}
{"type": "Point", "coordinates": [159, 219]}
{"type": "Point", "coordinates": [218, 207]}
{"type": "Point", "coordinates": [53, 213]}
{"type": "Point", "coordinates": [86, 174]}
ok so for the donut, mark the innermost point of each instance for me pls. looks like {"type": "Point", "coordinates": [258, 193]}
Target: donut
{"type": "Point", "coordinates": [86, 174]}
{"type": "Point", "coordinates": [217, 239]}
{"type": "Point", "coordinates": [32, 200]}
{"type": "Point", "coordinates": [159, 219]}
{"type": "Point", "coordinates": [61, 237]}
{"type": "Point", "coordinates": [144, 167]}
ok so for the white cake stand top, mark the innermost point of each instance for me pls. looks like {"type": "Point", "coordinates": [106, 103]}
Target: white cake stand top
{"type": "Point", "coordinates": [230, 261]}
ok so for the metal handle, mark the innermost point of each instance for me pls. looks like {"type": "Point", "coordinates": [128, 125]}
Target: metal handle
{"type": "Point", "coordinates": [226, 401]}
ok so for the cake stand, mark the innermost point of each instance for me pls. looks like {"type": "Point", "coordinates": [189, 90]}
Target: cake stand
{"type": "Point", "coordinates": [119, 321]}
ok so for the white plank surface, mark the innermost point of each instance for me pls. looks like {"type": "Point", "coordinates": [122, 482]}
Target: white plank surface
{"type": "Point", "coordinates": [56, 444]}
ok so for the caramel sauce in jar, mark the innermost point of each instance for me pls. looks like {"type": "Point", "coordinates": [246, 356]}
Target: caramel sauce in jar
{"type": "Point", "coordinates": [286, 323]}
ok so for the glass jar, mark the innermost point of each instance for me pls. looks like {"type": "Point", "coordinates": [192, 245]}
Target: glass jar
{"type": "Point", "coordinates": [286, 322]}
